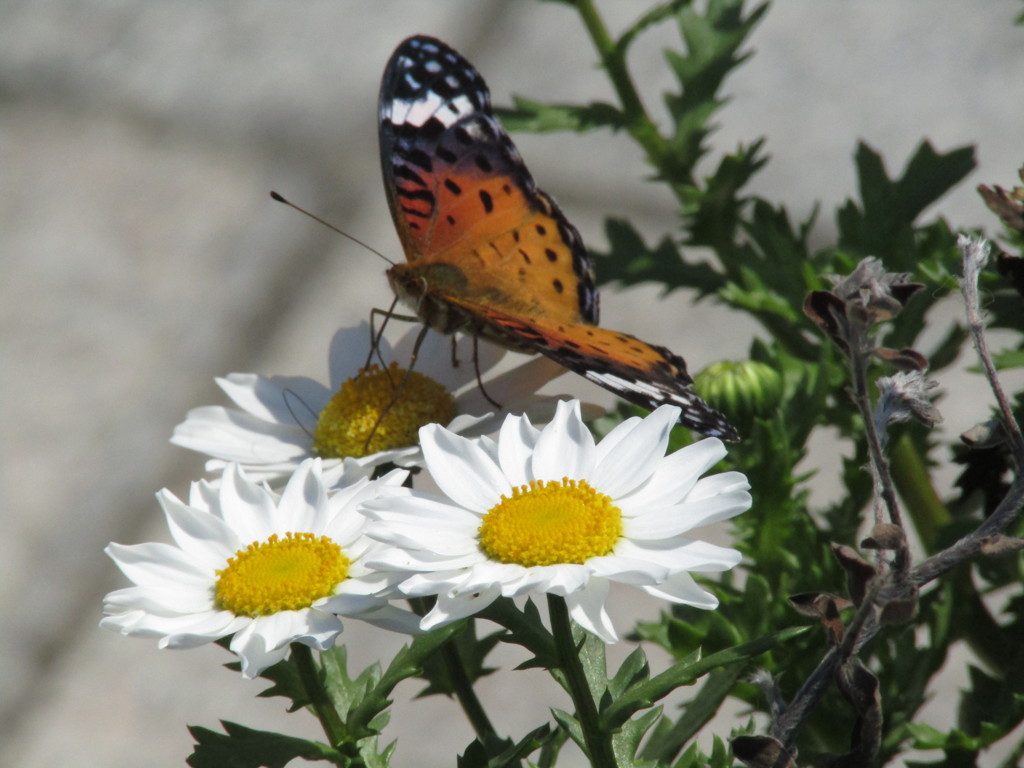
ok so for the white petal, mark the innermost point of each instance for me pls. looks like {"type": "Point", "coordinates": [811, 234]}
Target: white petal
{"type": "Point", "coordinates": [290, 400]}
{"type": "Point", "coordinates": [168, 600]}
{"type": "Point", "coordinates": [249, 509]}
{"type": "Point", "coordinates": [204, 537]}
{"type": "Point", "coordinates": [716, 508]}
{"type": "Point", "coordinates": [235, 436]}
{"type": "Point", "coordinates": [251, 648]}
{"type": "Point", "coordinates": [626, 570]}
{"type": "Point", "coordinates": [561, 579]}
{"type": "Point", "coordinates": [158, 565]}
{"type": "Point", "coordinates": [516, 442]}
{"type": "Point", "coordinates": [587, 608]}
{"type": "Point", "coordinates": [636, 453]}
{"type": "Point", "coordinates": [676, 474]}
{"type": "Point", "coordinates": [565, 447]}
{"type": "Point", "coordinates": [681, 554]}
{"type": "Point", "coordinates": [411, 560]}
{"type": "Point", "coordinates": [454, 605]}
{"type": "Point", "coordinates": [303, 502]}
{"type": "Point", "coordinates": [462, 469]}
{"type": "Point", "coordinates": [681, 588]}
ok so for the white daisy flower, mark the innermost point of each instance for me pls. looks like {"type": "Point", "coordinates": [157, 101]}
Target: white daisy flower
{"type": "Point", "coordinates": [267, 569]}
{"type": "Point", "coordinates": [286, 419]}
{"type": "Point", "coordinates": [550, 511]}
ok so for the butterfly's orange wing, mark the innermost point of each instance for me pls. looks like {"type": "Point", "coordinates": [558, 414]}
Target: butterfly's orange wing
{"type": "Point", "coordinates": [460, 194]}
{"type": "Point", "coordinates": [490, 254]}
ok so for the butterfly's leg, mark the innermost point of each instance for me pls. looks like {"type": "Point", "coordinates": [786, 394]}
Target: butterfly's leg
{"type": "Point", "coordinates": [375, 336]}
{"type": "Point", "coordinates": [289, 397]}
{"type": "Point", "coordinates": [401, 384]}
{"type": "Point", "coordinates": [479, 378]}
{"type": "Point", "coordinates": [455, 356]}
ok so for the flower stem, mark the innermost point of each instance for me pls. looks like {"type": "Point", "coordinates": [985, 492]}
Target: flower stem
{"type": "Point", "coordinates": [598, 742]}
{"type": "Point", "coordinates": [334, 728]}
{"type": "Point", "coordinates": [462, 686]}
{"type": "Point", "coordinates": [463, 689]}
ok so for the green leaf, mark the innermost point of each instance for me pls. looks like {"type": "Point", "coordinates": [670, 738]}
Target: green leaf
{"type": "Point", "coordinates": [697, 712]}
{"type": "Point", "coordinates": [711, 51]}
{"type": "Point", "coordinates": [346, 692]}
{"type": "Point", "coordinates": [536, 117]}
{"type": "Point", "coordinates": [241, 747]}
{"type": "Point", "coordinates": [361, 700]}
{"type": "Point", "coordinates": [629, 261]}
{"type": "Point", "coordinates": [525, 628]}
{"type": "Point", "coordinates": [687, 672]}
{"type": "Point", "coordinates": [287, 683]}
{"type": "Point", "coordinates": [884, 227]}
{"type": "Point", "coordinates": [1011, 358]}
{"type": "Point", "coordinates": [476, 755]}
{"type": "Point", "coordinates": [471, 654]}
{"type": "Point", "coordinates": [626, 741]}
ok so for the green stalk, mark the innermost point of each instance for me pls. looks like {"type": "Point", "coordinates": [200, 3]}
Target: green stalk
{"type": "Point", "coordinates": [467, 697]}
{"type": "Point", "coordinates": [638, 122]}
{"type": "Point", "coordinates": [462, 687]}
{"type": "Point", "coordinates": [334, 728]}
{"type": "Point", "coordinates": [599, 743]}
{"type": "Point", "coordinates": [914, 484]}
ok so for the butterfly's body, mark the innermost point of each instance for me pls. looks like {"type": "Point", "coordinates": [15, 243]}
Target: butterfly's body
{"type": "Point", "coordinates": [490, 254]}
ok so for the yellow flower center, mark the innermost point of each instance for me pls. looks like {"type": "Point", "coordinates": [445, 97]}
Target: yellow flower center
{"type": "Point", "coordinates": [546, 523]}
{"type": "Point", "coordinates": [278, 574]}
{"type": "Point", "coordinates": [365, 417]}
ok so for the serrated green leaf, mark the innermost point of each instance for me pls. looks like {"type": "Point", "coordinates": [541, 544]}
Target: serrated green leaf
{"type": "Point", "coordinates": [287, 683]}
{"type": "Point", "coordinates": [525, 628]}
{"type": "Point", "coordinates": [626, 741]}
{"type": "Point", "coordinates": [477, 756]}
{"type": "Point", "coordinates": [408, 662]}
{"type": "Point", "coordinates": [533, 116]}
{"type": "Point", "coordinates": [685, 673]}
{"type": "Point", "coordinates": [570, 725]}
{"type": "Point", "coordinates": [629, 261]}
{"type": "Point", "coordinates": [633, 670]}
{"type": "Point", "coordinates": [241, 747]}
{"type": "Point", "coordinates": [697, 712]}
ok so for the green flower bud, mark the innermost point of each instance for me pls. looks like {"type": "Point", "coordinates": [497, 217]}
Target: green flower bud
{"type": "Point", "coordinates": [741, 390]}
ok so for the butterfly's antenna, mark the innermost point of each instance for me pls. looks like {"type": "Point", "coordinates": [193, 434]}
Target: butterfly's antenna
{"type": "Point", "coordinates": [330, 226]}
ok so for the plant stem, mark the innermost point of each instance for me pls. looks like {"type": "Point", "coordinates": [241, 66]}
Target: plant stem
{"type": "Point", "coordinates": [884, 489]}
{"type": "Point", "coordinates": [598, 742]}
{"type": "Point", "coordinates": [334, 728]}
{"type": "Point", "coordinates": [638, 122]}
{"type": "Point", "coordinates": [914, 484]}
{"type": "Point", "coordinates": [463, 689]}
{"type": "Point", "coordinates": [462, 686]}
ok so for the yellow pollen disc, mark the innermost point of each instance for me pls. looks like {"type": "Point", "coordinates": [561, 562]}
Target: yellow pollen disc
{"type": "Point", "coordinates": [278, 574]}
{"type": "Point", "coordinates": [547, 523]}
{"type": "Point", "coordinates": [352, 423]}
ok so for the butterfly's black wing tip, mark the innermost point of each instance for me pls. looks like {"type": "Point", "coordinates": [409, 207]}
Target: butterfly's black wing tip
{"type": "Point", "coordinates": [709, 423]}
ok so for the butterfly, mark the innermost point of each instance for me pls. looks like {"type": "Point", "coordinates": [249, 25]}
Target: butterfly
{"type": "Point", "coordinates": [487, 253]}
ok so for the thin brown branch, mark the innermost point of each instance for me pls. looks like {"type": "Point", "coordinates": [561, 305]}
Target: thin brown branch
{"type": "Point", "coordinates": [975, 254]}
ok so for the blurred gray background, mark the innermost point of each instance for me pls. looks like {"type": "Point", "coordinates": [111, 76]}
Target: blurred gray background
{"type": "Point", "coordinates": [141, 256]}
